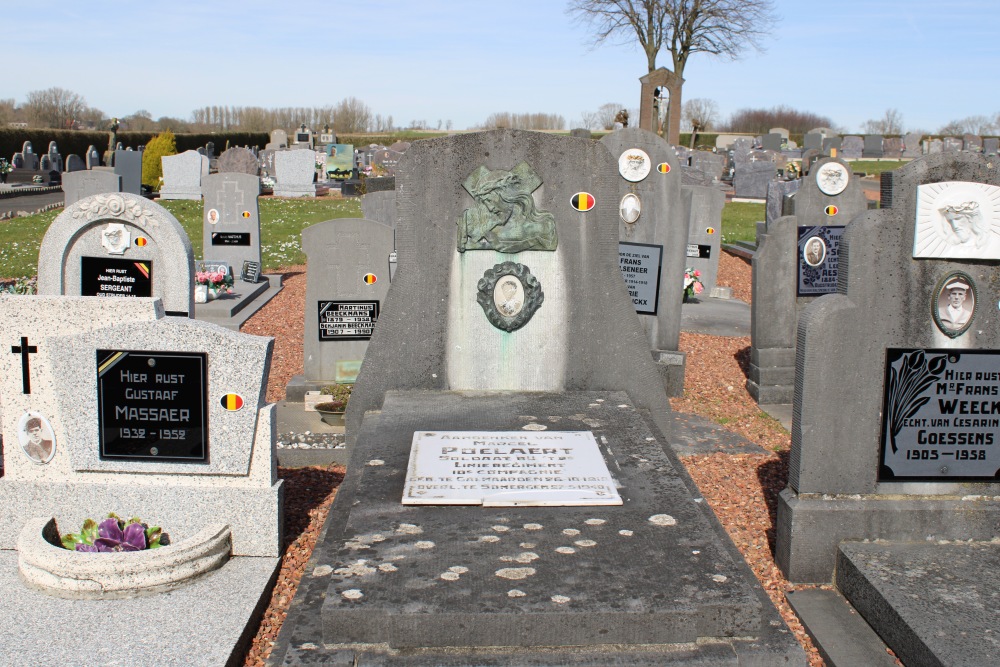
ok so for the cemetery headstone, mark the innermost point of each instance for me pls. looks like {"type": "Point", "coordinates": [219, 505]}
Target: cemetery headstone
{"type": "Point", "coordinates": [55, 157]}
{"type": "Point", "coordinates": [742, 149]}
{"type": "Point", "coordinates": [380, 206]}
{"type": "Point", "coordinates": [752, 178]}
{"type": "Point", "coordinates": [303, 138]}
{"type": "Point", "coordinates": [831, 144]}
{"type": "Point", "coordinates": [119, 245]}
{"type": "Point", "coordinates": [777, 194]}
{"type": "Point", "coordinates": [182, 176]}
{"type": "Point", "coordinates": [74, 163]}
{"type": "Point", "coordinates": [892, 147]}
{"type": "Point", "coordinates": [128, 165]}
{"type": "Point", "coordinates": [294, 171]}
{"type": "Point", "coordinates": [400, 146]}
{"type": "Point", "coordinates": [813, 141]}
{"type": "Point", "coordinates": [873, 146]}
{"type": "Point", "coordinates": [31, 160]}
{"type": "Point", "coordinates": [972, 142]}
{"type": "Point", "coordinates": [490, 335]}
{"type": "Point", "coordinates": [709, 163]}
{"type": "Point", "coordinates": [346, 285]}
{"type": "Point", "coordinates": [80, 184]}
{"type": "Point", "coordinates": [580, 133]}
{"type": "Point", "coordinates": [991, 145]}
{"type": "Point", "coordinates": [906, 370]}
{"type": "Point", "coordinates": [653, 236]}
{"type": "Point", "coordinates": [703, 207]}
{"type": "Point", "coordinates": [935, 146]}
{"type": "Point", "coordinates": [93, 157]}
{"type": "Point", "coordinates": [779, 130]}
{"type": "Point", "coordinates": [912, 144]}
{"type": "Point", "coordinates": [951, 145]}
{"type": "Point", "coordinates": [725, 141]}
{"type": "Point", "coordinates": [340, 161]}
{"type": "Point", "coordinates": [238, 160]}
{"type": "Point", "coordinates": [279, 139]}
{"type": "Point", "coordinates": [796, 261]}
{"type": "Point", "coordinates": [232, 218]}
{"type": "Point", "coordinates": [772, 142]}
{"type": "Point", "coordinates": [386, 160]}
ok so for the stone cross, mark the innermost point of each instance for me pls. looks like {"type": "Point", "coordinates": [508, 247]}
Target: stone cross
{"type": "Point", "coordinates": [24, 350]}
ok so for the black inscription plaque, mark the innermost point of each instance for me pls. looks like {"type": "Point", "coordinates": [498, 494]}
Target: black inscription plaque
{"type": "Point", "coordinates": [640, 264]}
{"type": "Point", "coordinates": [818, 260]}
{"type": "Point", "coordinates": [152, 405]}
{"type": "Point", "coordinates": [347, 320]}
{"type": "Point", "coordinates": [251, 272]}
{"type": "Point", "coordinates": [699, 251]}
{"type": "Point", "coordinates": [230, 238]}
{"type": "Point", "coordinates": [107, 276]}
{"type": "Point", "coordinates": [941, 415]}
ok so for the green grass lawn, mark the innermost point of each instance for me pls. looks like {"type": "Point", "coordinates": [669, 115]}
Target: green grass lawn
{"type": "Point", "coordinates": [875, 167]}
{"type": "Point", "coordinates": [281, 225]}
{"type": "Point", "coordinates": [739, 221]}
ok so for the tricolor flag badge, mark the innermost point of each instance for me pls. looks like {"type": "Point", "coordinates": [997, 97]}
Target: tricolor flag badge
{"type": "Point", "coordinates": [710, 230]}
{"type": "Point", "coordinates": [663, 168]}
{"type": "Point", "coordinates": [583, 201]}
{"type": "Point", "coordinates": [246, 214]}
{"type": "Point", "coordinates": [232, 402]}
{"type": "Point", "coordinates": [831, 210]}
{"type": "Point", "coordinates": [141, 241]}
{"type": "Point", "coordinates": [143, 268]}
{"type": "Point", "coordinates": [370, 278]}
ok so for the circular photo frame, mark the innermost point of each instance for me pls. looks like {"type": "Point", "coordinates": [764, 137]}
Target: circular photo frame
{"type": "Point", "coordinates": [212, 216]}
{"type": "Point", "coordinates": [509, 295]}
{"type": "Point", "coordinates": [953, 306]}
{"type": "Point", "coordinates": [38, 440]}
{"type": "Point", "coordinates": [630, 208]}
{"type": "Point", "coordinates": [634, 164]}
{"type": "Point", "coordinates": [814, 251]}
{"type": "Point", "coordinates": [832, 178]}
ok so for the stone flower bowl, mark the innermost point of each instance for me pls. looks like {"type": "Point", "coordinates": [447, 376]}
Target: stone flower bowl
{"type": "Point", "coordinates": [51, 569]}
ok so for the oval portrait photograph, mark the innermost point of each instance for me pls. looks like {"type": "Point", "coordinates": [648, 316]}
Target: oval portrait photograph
{"type": "Point", "coordinates": [955, 304]}
{"type": "Point", "coordinates": [814, 251]}
{"type": "Point", "coordinates": [38, 440]}
{"type": "Point", "coordinates": [630, 208]}
{"type": "Point", "coordinates": [508, 296]}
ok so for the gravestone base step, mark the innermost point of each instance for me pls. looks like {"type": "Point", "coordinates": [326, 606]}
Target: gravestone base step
{"type": "Point", "coordinates": [233, 310]}
{"type": "Point", "coordinates": [209, 622]}
{"type": "Point", "coordinates": [770, 394]}
{"type": "Point", "coordinates": [651, 581]}
{"type": "Point", "coordinates": [842, 636]}
{"type": "Point", "coordinates": [933, 604]}
{"type": "Point", "coordinates": [671, 366]}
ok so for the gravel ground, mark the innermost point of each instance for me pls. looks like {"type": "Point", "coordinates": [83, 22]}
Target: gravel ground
{"type": "Point", "coordinates": [742, 488]}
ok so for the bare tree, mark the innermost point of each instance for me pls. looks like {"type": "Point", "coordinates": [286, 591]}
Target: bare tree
{"type": "Point", "coordinates": [721, 28]}
{"type": "Point", "coordinates": [700, 114]}
{"type": "Point", "coordinates": [8, 109]}
{"type": "Point", "coordinates": [351, 115]}
{"type": "Point", "coordinates": [970, 125]}
{"type": "Point", "coordinates": [760, 121]}
{"type": "Point", "coordinates": [140, 121]}
{"type": "Point", "coordinates": [54, 107]}
{"type": "Point", "coordinates": [606, 115]}
{"type": "Point", "coordinates": [890, 123]}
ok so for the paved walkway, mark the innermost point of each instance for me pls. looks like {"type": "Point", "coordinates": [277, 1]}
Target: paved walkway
{"type": "Point", "coordinates": [30, 203]}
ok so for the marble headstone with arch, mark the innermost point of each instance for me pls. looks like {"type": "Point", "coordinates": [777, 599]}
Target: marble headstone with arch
{"type": "Point", "coordinates": [118, 244]}
{"type": "Point", "coordinates": [829, 197]}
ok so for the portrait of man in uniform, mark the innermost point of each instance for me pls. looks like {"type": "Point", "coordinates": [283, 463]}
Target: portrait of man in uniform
{"type": "Point", "coordinates": [36, 437]}
{"type": "Point", "coordinates": [955, 304]}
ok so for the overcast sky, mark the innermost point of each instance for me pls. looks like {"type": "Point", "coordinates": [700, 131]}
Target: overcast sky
{"type": "Point", "coordinates": [462, 60]}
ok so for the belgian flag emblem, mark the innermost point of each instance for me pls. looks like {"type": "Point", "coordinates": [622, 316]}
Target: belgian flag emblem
{"type": "Point", "coordinates": [141, 241]}
{"type": "Point", "coordinates": [583, 201]}
{"type": "Point", "coordinates": [246, 214]}
{"type": "Point", "coordinates": [232, 402]}
{"type": "Point", "coordinates": [710, 230]}
{"type": "Point", "coordinates": [831, 210]}
{"type": "Point", "coordinates": [370, 278]}
{"type": "Point", "coordinates": [663, 168]}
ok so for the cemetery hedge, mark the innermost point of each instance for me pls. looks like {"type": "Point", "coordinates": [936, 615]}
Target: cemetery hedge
{"type": "Point", "coordinates": [76, 142]}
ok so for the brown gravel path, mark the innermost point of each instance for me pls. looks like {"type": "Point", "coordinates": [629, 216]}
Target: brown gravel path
{"type": "Point", "coordinates": [742, 489]}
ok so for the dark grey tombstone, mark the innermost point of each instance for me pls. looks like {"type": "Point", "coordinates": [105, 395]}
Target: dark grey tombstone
{"type": "Point", "coordinates": [777, 191]}
{"type": "Point", "coordinates": [752, 178]}
{"type": "Point", "coordinates": [742, 149]}
{"type": "Point", "coordinates": [128, 165]}
{"type": "Point", "coordinates": [771, 142]}
{"type": "Point", "coordinates": [710, 163]}
{"type": "Point", "coordinates": [852, 147]}
{"type": "Point", "coordinates": [848, 480]}
{"type": "Point", "coordinates": [386, 159]}
{"type": "Point", "coordinates": [935, 146]}
{"type": "Point", "coordinates": [951, 145]}
{"type": "Point", "coordinates": [437, 363]}
{"type": "Point", "coordinates": [662, 223]}
{"type": "Point", "coordinates": [200, 150]}
{"type": "Point", "coordinates": [232, 233]}
{"type": "Point", "coordinates": [812, 141]}
{"type": "Point", "coordinates": [873, 146]}
{"type": "Point", "coordinates": [82, 183]}
{"type": "Point", "coordinates": [912, 145]}
{"type": "Point", "coordinates": [400, 146]}
{"type": "Point", "coordinates": [45, 163]}
{"type": "Point", "coordinates": [341, 253]}
{"type": "Point", "coordinates": [892, 147]}
{"type": "Point", "coordinates": [991, 145]}
{"type": "Point", "coordinates": [210, 150]}
{"type": "Point", "coordinates": [703, 210]}
{"type": "Point", "coordinates": [238, 160]}
{"type": "Point", "coordinates": [266, 161]}
{"type": "Point", "coordinates": [831, 144]}
{"type": "Point", "coordinates": [18, 160]}
{"type": "Point", "coordinates": [55, 157]}
{"type": "Point", "coordinates": [380, 206]}
{"type": "Point", "coordinates": [93, 157]}
{"type": "Point", "coordinates": [809, 157]}
{"type": "Point", "coordinates": [75, 163]}
{"type": "Point", "coordinates": [580, 133]}
{"type": "Point", "coordinates": [691, 176]}
{"type": "Point", "coordinates": [777, 301]}
{"type": "Point", "coordinates": [972, 142]}
{"type": "Point", "coordinates": [31, 159]}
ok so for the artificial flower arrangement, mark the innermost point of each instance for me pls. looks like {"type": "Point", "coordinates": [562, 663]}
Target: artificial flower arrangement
{"type": "Point", "coordinates": [215, 280]}
{"type": "Point", "coordinates": [5, 167]}
{"type": "Point", "coordinates": [115, 534]}
{"type": "Point", "coordinates": [692, 283]}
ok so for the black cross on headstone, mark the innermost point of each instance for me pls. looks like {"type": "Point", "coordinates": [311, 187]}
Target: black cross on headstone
{"type": "Point", "coordinates": [24, 350]}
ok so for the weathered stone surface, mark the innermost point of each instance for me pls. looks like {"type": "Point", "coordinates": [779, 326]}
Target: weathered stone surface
{"type": "Point", "coordinates": [239, 160]}
{"type": "Point", "coordinates": [294, 171]}
{"type": "Point", "coordinates": [181, 176]}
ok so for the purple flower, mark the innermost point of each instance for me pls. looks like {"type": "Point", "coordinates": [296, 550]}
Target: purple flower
{"type": "Point", "coordinates": [112, 538]}
{"type": "Point", "coordinates": [89, 548]}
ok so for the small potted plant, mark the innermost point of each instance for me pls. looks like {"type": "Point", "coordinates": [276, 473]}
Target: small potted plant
{"type": "Point", "coordinates": [5, 168]}
{"type": "Point", "coordinates": [115, 534]}
{"type": "Point", "coordinates": [332, 410]}
{"type": "Point", "coordinates": [692, 284]}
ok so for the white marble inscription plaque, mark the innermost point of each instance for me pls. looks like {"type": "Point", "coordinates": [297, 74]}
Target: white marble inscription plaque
{"type": "Point", "coordinates": [508, 468]}
{"type": "Point", "coordinates": [957, 220]}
